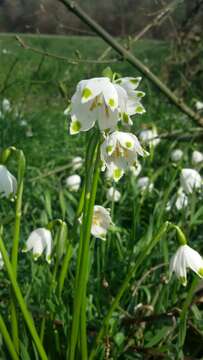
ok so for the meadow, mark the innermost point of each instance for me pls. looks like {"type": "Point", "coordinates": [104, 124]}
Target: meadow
{"type": "Point", "coordinates": [156, 316]}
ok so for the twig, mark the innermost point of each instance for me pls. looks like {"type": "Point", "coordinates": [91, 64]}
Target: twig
{"type": "Point", "coordinates": [51, 172]}
{"type": "Point", "coordinates": [162, 16]}
{"type": "Point", "coordinates": [5, 85]}
{"type": "Point", "coordinates": [127, 55]}
{"type": "Point", "coordinates": [59, 57]}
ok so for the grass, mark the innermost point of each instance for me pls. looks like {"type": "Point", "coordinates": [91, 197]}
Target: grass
{"type": "Point", "coordinates": [146, 325]}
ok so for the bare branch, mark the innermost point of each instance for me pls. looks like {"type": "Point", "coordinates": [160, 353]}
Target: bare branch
{"type": "Point", "coordinates": [134, 61]}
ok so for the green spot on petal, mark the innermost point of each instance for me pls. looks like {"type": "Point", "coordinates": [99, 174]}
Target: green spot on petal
{"type": "Point", "coordinates": [109, 149]}
{"type": "Point", "coordinates": [48, 259]}
{"type": "Point", "coordinates": [200, 272]}
{"type": "Point", "coordinates": [75, 126]}
{"type": "Point", "coordinates": [139, 109]}
{"type": "Point", "coordinates": [128, 144]}
{"type": "Point", "coordinates": [117, 174]}
{"type": "Point", "coordinates": [111, 102]}
{"type": "Point", "coordinates": [140, 94]}
{"type": "Point", "coordinates": [125, 118]}
{"type": "Point", "coordinates": [86, 93]}
{"type": "Point", "coordinates": [134, 81]}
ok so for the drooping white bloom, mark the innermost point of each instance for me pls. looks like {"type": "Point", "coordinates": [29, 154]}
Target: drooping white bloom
{"type": "Point", "coordinates": [176, 155]}
{"type": "Point", "coordinates": [101, 222]}
{"type": "Point", "coordinates": [136, 170]}
{"type": "Point", "coordinates": [29, 132]}
{"type": "Point", "coordinates": [199, 105]}
{"type": "Point", "coordinates": [40, 240]}
{"type": "Point", "coordinates": [144, 183]}
{"type": "Point", "coordinates": [190, 180]}
{"type": "Point", "coordinates": [8, 183]}
{"type": "Point", "coordinates": [182, 200]}
{"type": "Point", "coordinates": [6, 106]}
{"type": "Point", "coordinates": [23, 122]}
{"type": "Point", "coordinates": [1, 261]}
{"type": "Point", "coordinates": [149, 136]}
{"type": "Point", "coordinates": [113, 194]}
{"type": "Point", "coordinates": [119, 151]}
{"type": "Point", "coordinates": [98, 99]}
{"type": "Point", "coordinates": [186, 258]}
{"type": "Point", "coordinates": [77, 163]}
{"type": "Point", "coordinates": [73, 182]}
{"type": "Point", "coordinates": [197, 157]}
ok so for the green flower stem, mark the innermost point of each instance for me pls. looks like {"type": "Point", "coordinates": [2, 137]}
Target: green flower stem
{"type": "Point", "coordinates": [16, 236]}
{"type": "Point", "coordinates": [181, 236]}
{"type": "Point", "coordinates": [64, 269]}
{"type": "Point", "coordinates": [83, 206]}
{"type": "Point", "coordinates": [82, 261]}
{"type": "Point", "coordinates": [183, 316]}
{"type": "Point", "coordinates": [86, 255]}
{"type": "Point", "coordinates": [144, 253]}
{"type": "Point", "coordinates": [16, 290]}
{"type": "Point", "coordinates": [7, 339]}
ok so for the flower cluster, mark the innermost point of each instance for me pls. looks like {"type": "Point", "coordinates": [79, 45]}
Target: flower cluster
{"type": "Point", "coordinates": [105, 103]}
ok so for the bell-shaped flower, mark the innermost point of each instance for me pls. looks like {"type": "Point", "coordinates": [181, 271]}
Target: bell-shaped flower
{"type": "Point", "coordinates": [190, 180]}
{"type": "Point", "coordinates": [144, 183]}
{"type": "Point", "coordinates": [98, 99]}
{"type": "Point", "coordinates": [186, 258]}
{"type": "Point", "coordinates": [129, 98]}
{"type": "Point", "coordinates": [40, 240]}
{"type": "Point", "coordinates": [77, 163]}
{"type": "Point", "coordinates": [101, 222]}
{"type": "Point", "coordinates": [119, 151]}
{"type": "Point", "coordinates": [136, 169]}
{"type": "Point", "coordinates": [176, 155]}
{"type": "Point", "coordinates": [113, 194]}
{"type": "Point", "coordinates": [182, 200]}
{"type": "Point", "coordinates": [149, 136]}
{"type": "Point", "coordinates": [1, 261]}
{"type": "Point", "coordinates": [197, 157]}
{"type": "Point", "coordinates": [73, 182]}
{"type": "Point", "coordinates": [6, 106]}
{"type": "Point", "coordinates": [8, 183]}
{"type": "Point", "coordinates": [199, 105]}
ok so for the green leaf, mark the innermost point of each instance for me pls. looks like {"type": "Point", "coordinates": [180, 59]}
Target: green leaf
{"type": "Point", "coordinates": [107, 72]}
{"type": "Point", "coordinates": [158, 336]}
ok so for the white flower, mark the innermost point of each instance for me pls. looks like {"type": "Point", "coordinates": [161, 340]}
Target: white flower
{"type": "Point", "coordinates": [73, 182]}
{"type": "Point", "coordinates": [176, 155]}
{"type": "Point", "coordinates": [101, 221]}
{"type": "Point", "coordinates": [136, 170]}
{"type": "Point", "coordinates": [190, 180]}
{"type": "Point", "coordinates": [1, 261]}
{"type": "Point", "coordinates": [199, 105]}
{"type": "Point", "coordinates": [29, 132]}
{"type": "Point", "coordinates": [113, 194]}
{"type": "Point", "coordinates": [40, 240]}
{"type": "Point", "coordinates": [23, 123]}
{"type": "Point", "coordinates": [144, 183]}
{"type": "Point", "coordinates": [149, 136]}
{"type": "Point", "coordinates": [77, 163]}
{"type": "Point", "coordinates": [119, 151]}
{"type": "Point", "coordinates": [99, 99]}
{"type": "Point", "coordinates": [197, 157]}
{"type": "Point", "coordinates": [186, 258]}
{"type": "Point", "coordinates": [6, 106]}
{"type": "Point", "coordinates": [182, 200]}
{"type": "Point", "coordinates": [8, 183]}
